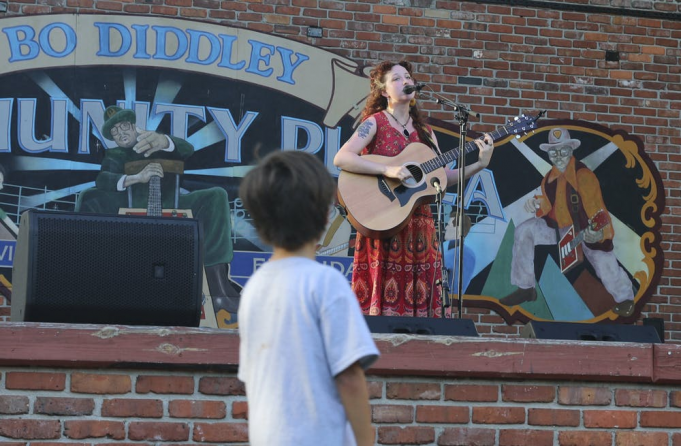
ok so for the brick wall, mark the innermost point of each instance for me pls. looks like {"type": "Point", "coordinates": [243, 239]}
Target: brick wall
{"type": "Point", "coordinates": [148, 407]}
{"type": "Point", "coordinates": [499, 59]}
{"type": "Point", "coordinates": [121, 406]}
{"type": "Point", "coordinates": [89, 385]}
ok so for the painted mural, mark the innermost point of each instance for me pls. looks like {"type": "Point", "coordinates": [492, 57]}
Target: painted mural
{"type": "Point", "coordinates": [126, 114]}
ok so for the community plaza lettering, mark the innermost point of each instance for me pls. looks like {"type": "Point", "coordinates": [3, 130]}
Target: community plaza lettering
{"type": "Point", "coordinates": [481, 187]}
{"type": "Point", "coordinates": [90, 115]}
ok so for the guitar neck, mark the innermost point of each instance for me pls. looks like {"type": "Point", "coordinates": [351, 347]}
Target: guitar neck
{"type": "Point", "coordinates": [154, 207]}
{"type": "Point", "coordinates": [454, 154]}
{"type": "Point", "coordinates": [576, 241]}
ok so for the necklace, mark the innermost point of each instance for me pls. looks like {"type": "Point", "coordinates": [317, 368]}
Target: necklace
{"type": "Point", "coordinates": [404, 126]}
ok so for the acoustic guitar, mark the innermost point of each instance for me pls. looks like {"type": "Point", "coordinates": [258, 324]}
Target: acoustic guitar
{"type": "Point", "coordinates": [379, 207]}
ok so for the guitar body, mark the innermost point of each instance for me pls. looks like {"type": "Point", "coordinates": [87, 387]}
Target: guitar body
{"type": "Point", "coordinates": [569, 255]}
{"type": "Point", "coordinates": [379, 207]}
{"type": "Point", "coordinates": [569, 246]}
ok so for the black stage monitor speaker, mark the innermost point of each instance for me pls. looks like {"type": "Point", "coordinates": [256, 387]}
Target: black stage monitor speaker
{"type": "Point", "coordinates": [421, 325]}
{"type": "Point", "coordinates": [107, 269]}
{"type": "Point", "coordinates": [590, 332]}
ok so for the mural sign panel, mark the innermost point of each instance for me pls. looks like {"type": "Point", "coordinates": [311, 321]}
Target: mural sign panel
{"type": "Point", "coordinates": [94, 109]}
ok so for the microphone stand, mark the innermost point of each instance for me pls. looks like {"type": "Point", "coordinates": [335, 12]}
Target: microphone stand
{"type": "Point", "coordinates": [462, 114]}
{"type": "Point", "coordinates": [444, 280]}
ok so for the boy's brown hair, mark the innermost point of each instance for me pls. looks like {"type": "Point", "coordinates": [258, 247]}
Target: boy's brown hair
{"type": "Point", "coordinates": [288, 194]}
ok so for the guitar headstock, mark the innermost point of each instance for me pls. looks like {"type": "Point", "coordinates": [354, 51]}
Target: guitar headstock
{"type": "Point", "coordinates": [522, 124]}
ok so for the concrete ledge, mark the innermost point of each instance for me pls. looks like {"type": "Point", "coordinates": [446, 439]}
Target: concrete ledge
{"type": "Point", "coordinates": [98, 346]}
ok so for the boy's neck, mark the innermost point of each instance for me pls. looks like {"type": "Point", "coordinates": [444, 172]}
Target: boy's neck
{"type": "Point", "coordinates": [309, 251]}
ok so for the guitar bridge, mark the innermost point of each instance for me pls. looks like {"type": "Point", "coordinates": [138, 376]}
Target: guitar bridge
{"type": "Point", "coordinates": [384, 188]}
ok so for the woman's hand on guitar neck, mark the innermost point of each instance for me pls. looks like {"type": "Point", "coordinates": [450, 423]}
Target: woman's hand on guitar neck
{"type": "Point", "coordinates": [486, 146]}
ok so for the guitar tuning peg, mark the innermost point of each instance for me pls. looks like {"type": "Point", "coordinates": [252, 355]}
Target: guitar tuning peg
{"type": "Point", "coordinates": [517, 136]}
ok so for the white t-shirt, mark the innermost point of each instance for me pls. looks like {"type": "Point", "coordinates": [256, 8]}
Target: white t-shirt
{"type": "Point", "coordinates": [300, 325]}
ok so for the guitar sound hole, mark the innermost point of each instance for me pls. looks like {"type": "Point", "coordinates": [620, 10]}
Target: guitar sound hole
{"type": "Point", "coordinates": [416, 173]}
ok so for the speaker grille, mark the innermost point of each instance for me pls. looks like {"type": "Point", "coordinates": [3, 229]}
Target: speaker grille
{"type": "Point", "coordinates": [115, 269]}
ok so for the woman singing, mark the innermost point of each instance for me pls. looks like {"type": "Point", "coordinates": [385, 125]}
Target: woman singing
{"type": "Point", "coordinates": [397, 276]}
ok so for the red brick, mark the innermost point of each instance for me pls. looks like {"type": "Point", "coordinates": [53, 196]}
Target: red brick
{"type": "Point", "coordinates": [582, 438]}
{"type": "Point", "coordinates": [221, 386]}
{"type": "Point", "coordinates": [406, 435]}
{"type": "Point", "coordinates": [64, 443]}
{"type": "Point", "coordinates": [553, 417]}
{"type": "Point", "coordinates": [375, 389]}
{"type": "Point", "coordinates": [132, 408]}
{"type": "Point", "coordinates": [64, 406]}
{"type": "Point", "coordinates": [464, 436]}
{"type": "Point", "coordinates": [13, 404]}
{"type": "Point", "coordinates": [641, 398]}
{"type": "Point", "coordinates": [109, 6]}
{"type": "Point", "coordinates": [442, 414]}
{"type": "Point", "coordinates": [675, 398]}
{"type": "Point", "coordinates": [164, 10]}
{"type": "Point", "coordinates": [220, 432]}
{"type": "Point", "coordinates": [523, 437]}
{"type": "Point", "coordinates": [157, 431]}
{"type": "Point", "coordinates": [498, 415]}
{"type": "Point", "coordinates": [30, 429]}
{"type": "Point", "coordinates": [666, 419]}
{"type": "Point", "coordinates": [584, 396]}
{"type": "Point", "coordinates": [118, 443]}
{"type": "Point", "coordinates": [100, 384]}
{"type": "Point", "coordinates": [240, 410]}
{"type": "Point", "coordinates": [610, 419]}
{"type": "Point", "coordinates": [35, 381]}
{"type": "Point", "coordinates": [637, 438]}
{"type": "Point", "coordinates": [528, 394]}
{"type": "Point", "coordinates": [413, 391]}
{"type": "Point", "coordinates": [676, 439]}
{"type": "Point", "coordinates": [79, 430]}
{"type": "Point", "coordinates": [392, 413]}
{"type": "Point", "coordinates": [165, 384]}
{"type": "Point", "coordinates": [472, 393]}
{"type": "Point", "coordinates": [197, 409]}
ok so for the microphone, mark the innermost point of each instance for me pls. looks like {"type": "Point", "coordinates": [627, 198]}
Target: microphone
{"type": "Point", "coordinates": [436, 184]}
{"type": "Point", "coordinates": [409, 89]}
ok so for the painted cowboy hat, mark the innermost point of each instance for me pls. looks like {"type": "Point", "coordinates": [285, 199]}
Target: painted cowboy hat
{"type": "Point", "coordinates": [560, 137]}
{"type": "Point", "coordinates": [113, 115]}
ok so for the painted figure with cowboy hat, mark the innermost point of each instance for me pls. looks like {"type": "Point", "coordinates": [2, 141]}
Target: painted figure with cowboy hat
{"type": "Point", "coordinates": [210, 206]}
{"type": "Point", "coordinates": [571, 198]}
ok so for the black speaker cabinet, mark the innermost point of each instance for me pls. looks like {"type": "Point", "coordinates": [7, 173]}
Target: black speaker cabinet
{"type": "Point", "coordinates": [421, 325]}
{"type": "Point", "coordinates": [107, 269]}
{"type": "Point", "coordinates": [590, 332]}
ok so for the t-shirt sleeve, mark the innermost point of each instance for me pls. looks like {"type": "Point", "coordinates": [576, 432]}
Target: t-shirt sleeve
{"type": "Point", "coordinates": [345, 334]}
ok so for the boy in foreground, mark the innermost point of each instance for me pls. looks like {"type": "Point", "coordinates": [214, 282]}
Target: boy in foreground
{"type": "Point", "coordinates": [304, 342]}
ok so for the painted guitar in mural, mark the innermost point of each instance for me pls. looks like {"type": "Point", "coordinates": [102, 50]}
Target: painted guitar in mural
{"type": "Point", "coordinates": [380, 207]}
{"type": "Point", "coordinates": [567, 247]}
{"type": "Point", "coordinates": [154, 207]}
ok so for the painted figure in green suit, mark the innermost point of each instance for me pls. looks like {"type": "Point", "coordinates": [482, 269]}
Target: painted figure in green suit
{"type": "Point", "coordinates": [210, 206]}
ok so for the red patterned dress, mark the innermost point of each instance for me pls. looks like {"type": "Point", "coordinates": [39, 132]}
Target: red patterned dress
{"type": "Point", "coordinates": [396, 276]}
